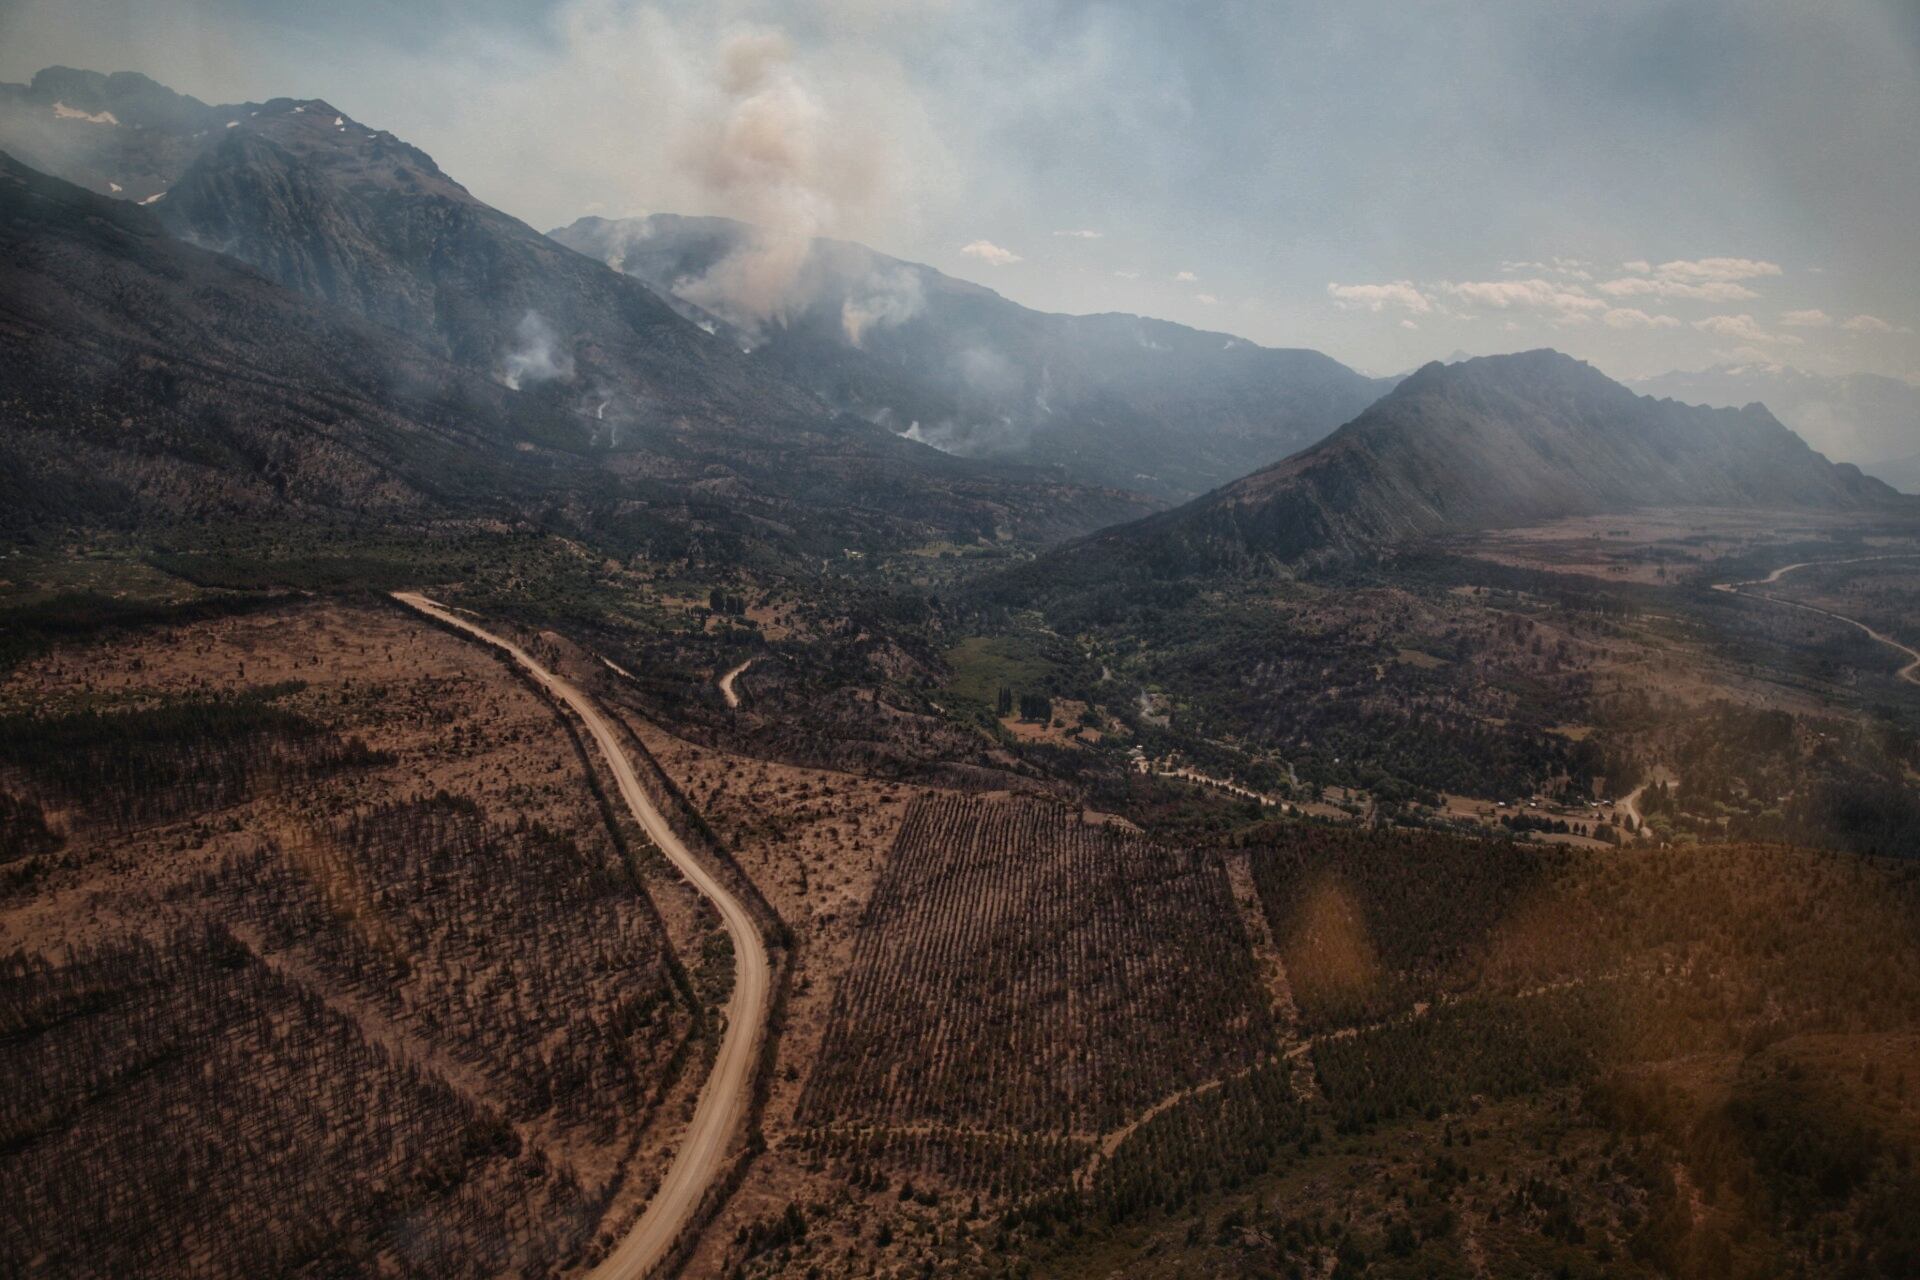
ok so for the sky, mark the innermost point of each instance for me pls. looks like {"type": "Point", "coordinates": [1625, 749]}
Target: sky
{"type": "Point", "coordinates": [1646, 184]}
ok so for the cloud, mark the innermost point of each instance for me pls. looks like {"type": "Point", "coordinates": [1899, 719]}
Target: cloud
{"type": "Point", "coordinates": [1408, 324]}
{"type": "Point", "coordinates": [1663, 287]}
{"type": "Point", "coordinates": [1703, 269]}
{"type": "Point", "coordinates": [1867, 324]}
{"type": "Point", "coordinates": [1742, 328]}
{"type": "Point", "coordinates": [1378, 297]}
{"type": "Point", "coordinates": [1128, 275]}
{"type": "Point", "coordinates": [1566, 300]}
{"type": "Point", "coordinates": [990, 253]}
{"type": "Point", "coordinates": [1633, 318]}
{"type": "Point", "coordinates": [537, 355]}
{"type": "Point", "coordinates": [1185, 277]}
{"type": "Point", "coordinates": [1689, 279]}
{"type": "Point", "coordinates": [1813, 319]}
{"type": "Point", "coordinates": [1084, 233]}
{"type": "Point", "coordinates": [1207, 298]}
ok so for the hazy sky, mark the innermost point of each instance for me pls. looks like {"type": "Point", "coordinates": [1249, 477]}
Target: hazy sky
{"type": "Point", "coordinates": [1649, 184]}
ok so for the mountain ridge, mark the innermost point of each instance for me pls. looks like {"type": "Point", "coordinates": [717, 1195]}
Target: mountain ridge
{"type": "Point", "coordinates": [1498, 441]}
{"type": "Point", "coordinates": [1112, 398]}
{"type": "Point", "coordinates": [1868, 419]}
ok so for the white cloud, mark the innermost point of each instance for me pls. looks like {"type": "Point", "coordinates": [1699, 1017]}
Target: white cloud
{"type": "Point", "coordinates": [1812, 319]}
{"type": "Point", "coordinates": [1207, 298]}
{"type": "Point", "coordinates": [1634, 318]}
{"type": "Point", "coordinates": [1378, 297]}
{"type": "Point", "coordinates": [1567, 300]}
{"type": "Point", "coordinates": [990, 253]}
{"type": "Point", "coordinates": [1408, 324]}
{"type": "Point", "coordinates": [1638, 267]}
{"type": "Point", "coordinates": [1867, 324]}
{"type": "Point", "coordinates": [1083, 233]}
{"type": "Point", "coordinates": [1664, 287]}
{"type": "Point", "coordinates": [1128, 275]}
{"type": "Point", "coordinates": [1577, 268]}
{"type": "Point", "coordinates": [1742, 328]}
{"type": "Point", "coordinates": [1703, 269]}
{"type": "Point", "coordinates": [1185, 277]}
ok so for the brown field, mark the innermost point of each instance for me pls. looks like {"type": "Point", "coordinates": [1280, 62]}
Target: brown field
{"type": "Point", "coordinates": [1661, 546]}
{"type": "Point", "coordinates": [351, 971]}
{"type": "Point", "coordinates": [1022, 975]}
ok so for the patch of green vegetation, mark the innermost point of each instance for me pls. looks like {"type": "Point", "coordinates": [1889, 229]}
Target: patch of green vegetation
{"type": "Point", "coordinates": [27, 630]}
{"type": "Point", "coordinates": [984, 665]}
{"type": "Point", "coordinates": [31, 575]}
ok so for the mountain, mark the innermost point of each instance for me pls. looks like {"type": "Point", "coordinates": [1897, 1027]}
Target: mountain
{"type": "Point", "coordinates": [356, 217]}
{"type": "Point", "coordinates": [1862, 418]}
{"type": "Point", "coordinates": [1490, 442]}
{"type": "Point", "coordinates": [366, 226]}
{"type": "Point", "coordinates": [1111, 399]}
{"type": "Point", "coordinates": [148, 381]}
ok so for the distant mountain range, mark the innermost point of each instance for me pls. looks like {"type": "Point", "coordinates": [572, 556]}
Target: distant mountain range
{"type": "Point", "coordinates": [1858, 417]}
{"type": "Point", "coordinates": [355, 217]}
{"type": "Point", "coordinates": [367, 231]}
{"type": "Point", "coordinates": [1490, 442]}
{"type": "Point", "coordinates": [149, 382]}
{"type": "Point", "coordinates": [1109, 399]}
{"type": "Point", "coordinates": [270, 308]}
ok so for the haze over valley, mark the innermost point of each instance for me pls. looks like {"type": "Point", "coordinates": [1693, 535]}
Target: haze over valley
{"type": "Point", "coordinates": [956, 671]}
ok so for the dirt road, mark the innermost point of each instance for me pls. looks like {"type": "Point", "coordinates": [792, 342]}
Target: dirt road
{"type": "Point", "coordinates": [1910, 673]}
{"type": "Point", "coordinates": [723, 1099]}
{"type": "Point", "coordinates": [726, 683]}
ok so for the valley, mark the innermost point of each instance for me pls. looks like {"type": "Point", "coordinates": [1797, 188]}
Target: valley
{"type": "Point", "coordinates": [687, 745]}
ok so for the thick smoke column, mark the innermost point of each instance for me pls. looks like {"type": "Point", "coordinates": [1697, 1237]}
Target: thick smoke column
{"type": "Point", "coordinates": [774, 154]}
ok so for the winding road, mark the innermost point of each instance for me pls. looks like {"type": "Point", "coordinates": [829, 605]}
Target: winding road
{"type": "Point", "coordinates": [1910, 673]}
{"type": "Point", "coordinates": [722, 1107]}
{"type": "Point", "coordinates": [726, 683]}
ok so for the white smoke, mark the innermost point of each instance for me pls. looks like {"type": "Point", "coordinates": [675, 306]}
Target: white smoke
{"type": "Point", "coordinates": [775, 153]}
{"type": "Point", "coordinates": [884, 297]}
{"type": "Point", "coordinates": [538, 357]}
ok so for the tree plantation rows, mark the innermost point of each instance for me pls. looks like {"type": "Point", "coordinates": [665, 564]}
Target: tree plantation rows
{"type": "Point", "coordinates": [180, 1108]}
{"type": "Point", "coordinates": [130, 767]}
{"type": "Point", "coordinates": [1602, 992]}
{"type": "Point", "coordinates": [1019, 970]}
{"type": "Point", "coordinates": [1213, 1141]}
{"type": "Point", "coordinates": [1355, 913]}
{"type": "Point", "coordinates": [505, 947]}
{"type": "Point", "coordinates": [999, 1165]}
{"type": "Point", "coordinates": [316, 1016]}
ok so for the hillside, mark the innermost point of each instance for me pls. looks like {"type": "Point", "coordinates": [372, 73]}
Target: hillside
{"type": "Point", "coordinates": [1110, 399]}
{"type": "Point", "coordinates": [358, 218]}
{"type": "Point", "coordinates": [1861, 418]}
{"type": "Point", "coordinates": [151, 381]}
{"type": "Point", "coordinates": [1494, 442]}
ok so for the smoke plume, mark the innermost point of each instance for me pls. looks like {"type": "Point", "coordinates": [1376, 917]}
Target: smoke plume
{"type": "Point", "coordinates": [884, 297]}
{"type": "Point", "coordinates": [773, 153]}
{"type": "Point", "coordinates": [537, 357]}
